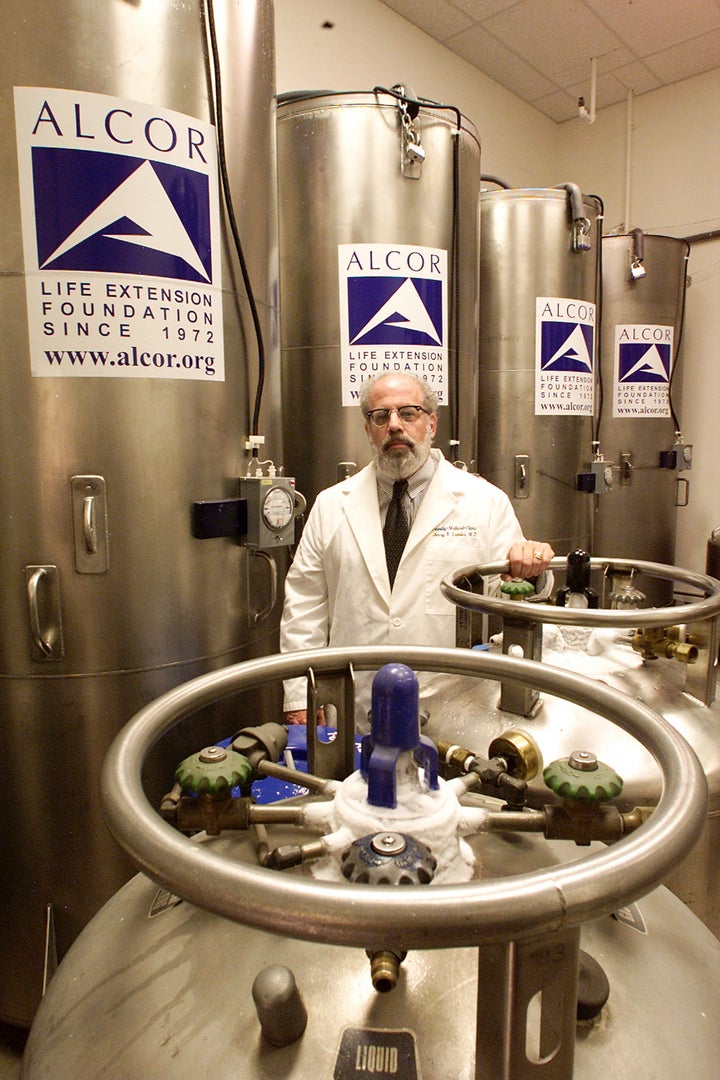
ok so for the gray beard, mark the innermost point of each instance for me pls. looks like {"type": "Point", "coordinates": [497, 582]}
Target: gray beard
{"type": "Point", "coordinates": [399, 466]}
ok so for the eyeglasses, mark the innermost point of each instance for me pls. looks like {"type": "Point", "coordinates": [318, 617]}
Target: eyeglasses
{"type": "Point", "coordinates": [406, 413]}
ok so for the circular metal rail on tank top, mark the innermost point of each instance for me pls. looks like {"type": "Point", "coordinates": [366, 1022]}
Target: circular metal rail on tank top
{"type": "Point", "coordinates": [442, 916]}
{"type": "Point", "coordinates": [705, 608]}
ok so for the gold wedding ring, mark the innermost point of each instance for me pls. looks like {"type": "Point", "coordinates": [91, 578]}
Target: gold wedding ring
{"type": "Point", "coordinates": [538, 555]}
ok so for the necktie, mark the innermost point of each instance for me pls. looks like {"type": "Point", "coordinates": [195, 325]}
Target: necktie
{"type": "Point", "coordinates": [396, 529]}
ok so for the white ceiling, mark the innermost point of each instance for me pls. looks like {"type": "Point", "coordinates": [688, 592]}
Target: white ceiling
{"type": "Point", "coordinates": [542, 50]}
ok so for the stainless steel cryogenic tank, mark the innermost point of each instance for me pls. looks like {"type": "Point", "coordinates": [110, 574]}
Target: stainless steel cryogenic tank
{"type": "Point", "coordinates": [712, 554]}
{"type": "Point", "coordinates": [378, 267]}
{"type": "Point", "coordinates": [539, 252]}
{"type": "Point", "coordinates": [484, 983]}
{"type": "Point", "coordinates": [158, 1001]}
{"type": "Point", "coordinates": [127, 376]}
{"type": "Point", "coordinates": [643, 287]}
{"type": "Point", "coordinates": [662, 656]}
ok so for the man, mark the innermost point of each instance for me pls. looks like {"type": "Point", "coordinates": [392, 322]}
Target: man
{"type": "Point", "coordinates": [339, 591]}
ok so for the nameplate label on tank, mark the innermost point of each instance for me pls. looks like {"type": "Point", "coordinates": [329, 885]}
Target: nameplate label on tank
{"type": "Point", "coordinates": [631, 916]}
{"type": "Point", "coordinates": [163, 901]}
{"type": "Point", "coordinates": [564, 356]}
{"type": "Point", "coordinates": [121, 238]}
{"type": "Point", "coordinates": [393, 315]}
{"type": "Point", "coordinates": [371, 1052]}
{"type": "Point", "coordinates": [641, 370]}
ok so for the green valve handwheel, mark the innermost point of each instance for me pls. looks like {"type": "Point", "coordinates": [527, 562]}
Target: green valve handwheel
{"type": "Point", "coordinates": [213, 771]}
{"type": "Point", "coordinates": [517, 589]}
{"type": "Point", "coordinates": [582, 778]}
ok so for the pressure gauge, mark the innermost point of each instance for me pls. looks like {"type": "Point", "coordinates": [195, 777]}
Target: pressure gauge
{"type": "Point", "coordinates": [272, 506]}
{"type": "Point", "coordinates": [278, 507]}
{"type": "Point", "coordinates": [683, 455]}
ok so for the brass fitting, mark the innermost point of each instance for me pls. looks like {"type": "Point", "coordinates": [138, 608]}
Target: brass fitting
{"type": "Point", "coordinates": [385, 968]}
{"type": "Point", "coordinates": [520, 751]}
{"type": "Point", "coordinates": [657, 641]}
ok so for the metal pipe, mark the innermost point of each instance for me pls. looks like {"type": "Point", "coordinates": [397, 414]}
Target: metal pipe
{"type": "Point", "coordinates": [628, 157]}
{"type": "Point", "coordinates": [444, 915]}
{"type": "Point", "coordinates": [488, 178]}
{"type": "Point", "coordinates": [581, 223]}
{"type": "Point", "coordinates": [588, 115]}
{"type": "Point", "coordinates": [712, 234]}
{"type": "Point", "coordinates": [706, 608]}
{"type": "Point", "coordinates": [295, 776]}
{"type": "Point", "coordinates": [637, 264]}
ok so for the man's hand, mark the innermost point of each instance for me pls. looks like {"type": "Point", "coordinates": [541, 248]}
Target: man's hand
{"type": "Point", "coordinates": [299, 716]}
{"type": "Point", "coordinates": [529, 558]}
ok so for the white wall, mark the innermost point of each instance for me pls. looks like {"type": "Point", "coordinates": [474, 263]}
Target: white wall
{"type": "Point", "coordinates": [674, 179]}
{"type": "Point", "coordinates": [371, 45]}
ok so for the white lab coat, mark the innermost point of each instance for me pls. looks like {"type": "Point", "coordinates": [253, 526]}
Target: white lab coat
{"type": "Point", "coordinates": [337, 591]}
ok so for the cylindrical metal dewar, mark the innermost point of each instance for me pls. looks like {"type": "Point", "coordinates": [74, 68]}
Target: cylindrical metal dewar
{"type": "Point", "coordinates": [128, 368]}
{"type": "Point", "coordinates": [642, 377]}
{"type": "Point", "coordinates": [535, 423]}
{"type": "Point", "coordinates": [364, 238]}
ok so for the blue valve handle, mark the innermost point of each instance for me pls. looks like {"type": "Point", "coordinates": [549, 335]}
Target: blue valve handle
{"type": "Point", "coordinates": [395, 728]}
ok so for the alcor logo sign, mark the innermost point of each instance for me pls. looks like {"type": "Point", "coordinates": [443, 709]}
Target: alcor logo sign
{"type": "Point", "coordinates": [642, 369]}
{"type": "Point", "coordinates": [393, 314]}
{"type": "Point", "coordinates": [564, 352]}
{"type": "Point", "coordinates": [121, 237]}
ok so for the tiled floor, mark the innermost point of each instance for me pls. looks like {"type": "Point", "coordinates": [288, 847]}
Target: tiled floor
{"type": "Point", "coordinates": [12, 1043]}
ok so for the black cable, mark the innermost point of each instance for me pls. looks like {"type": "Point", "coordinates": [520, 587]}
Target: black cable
{"type": "Point", "coordinates": [422, 101]}
{"type": "Point", "coordinates": [598, 322]}
{"type": "Point", "coordinates": [678, 342]}
{"type": "Point", "coordinates": [455, 280]}
{"type": "Point", "coordinates": [217, 106]}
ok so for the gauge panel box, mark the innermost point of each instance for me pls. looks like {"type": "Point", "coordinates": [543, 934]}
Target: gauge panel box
{"type": "Point", "coordinates": [270, 510]}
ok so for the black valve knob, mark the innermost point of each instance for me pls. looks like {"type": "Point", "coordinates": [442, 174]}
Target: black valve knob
{"type": "Point", "coordinates": [389, 858]}
{"type": "Point", "coordinates": [578, 570]}
{"type": "Point", "coordinates": [577, 581]}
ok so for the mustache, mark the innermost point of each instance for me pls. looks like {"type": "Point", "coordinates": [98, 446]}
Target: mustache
{"type": "Point", "coordinates": [404, 439]}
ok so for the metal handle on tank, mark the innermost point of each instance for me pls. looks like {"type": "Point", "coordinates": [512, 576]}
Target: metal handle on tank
{"type": "Point", "coordinates": [488, 911]}
{"type": "Point", "coordinates": [261, 615]}
{"type": "Point", "coordinates": [33, 587]}
{"type": "Point", "coordinates": [90, 525]}
{"type": "Point", "coordinates": [706, 608]}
